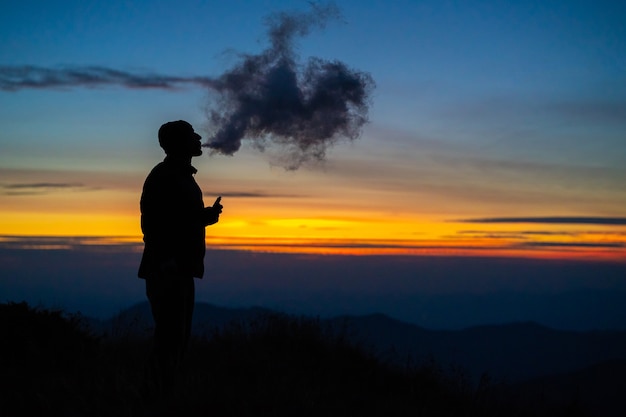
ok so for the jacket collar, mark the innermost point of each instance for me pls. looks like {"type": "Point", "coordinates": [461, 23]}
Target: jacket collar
{"type": "Point", "coordinates": [179, 165]}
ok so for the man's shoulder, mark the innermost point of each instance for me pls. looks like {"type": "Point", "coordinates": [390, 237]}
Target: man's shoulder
{"type": "Point", "coordinates": [160, 169]}
{"type": "Point", "coordinates": [157, 176]}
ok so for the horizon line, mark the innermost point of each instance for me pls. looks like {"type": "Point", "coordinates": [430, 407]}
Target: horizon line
{"type": "Point", "coordinates": [583, 251]}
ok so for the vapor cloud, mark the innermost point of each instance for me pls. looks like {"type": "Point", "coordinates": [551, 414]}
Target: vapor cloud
{"type": "Point", "coordinates": [275, 101]}
{"type": "Point", "coordinates": [14, 78]}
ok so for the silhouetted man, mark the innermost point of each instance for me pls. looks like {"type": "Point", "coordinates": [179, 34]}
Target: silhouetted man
{"type": "Point", "coordinates": [173, 221]}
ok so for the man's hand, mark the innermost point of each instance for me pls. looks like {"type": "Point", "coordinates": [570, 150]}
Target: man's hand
{"type": "Point", "coordinates": [217, 206]}
{"type": "Point", "coordinates": [212, 214]}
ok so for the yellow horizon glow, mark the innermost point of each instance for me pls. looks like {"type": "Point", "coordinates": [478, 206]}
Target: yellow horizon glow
{"type": "Point", "coordinates": [339, 235]}
{"type": "Point", "coordinates": [307, 214]}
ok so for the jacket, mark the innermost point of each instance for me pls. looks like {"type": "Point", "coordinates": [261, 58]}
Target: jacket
{"type": "Point", "coordinates": [173, 220]}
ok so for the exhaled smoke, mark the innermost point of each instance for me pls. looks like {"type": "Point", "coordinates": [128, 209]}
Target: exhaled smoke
{"type": "Point", "coordinates": [13, 78]}
{"type": "Point", "coordinates": [272, 100]}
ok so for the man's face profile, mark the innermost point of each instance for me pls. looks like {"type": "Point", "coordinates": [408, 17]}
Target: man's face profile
{"type": "Point", "coordinates": [193, 143]}
{"type": "Point", "coordinates": [179, 139]}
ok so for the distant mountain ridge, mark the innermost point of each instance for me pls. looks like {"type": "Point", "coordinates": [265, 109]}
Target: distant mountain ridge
{"type": "Point", "coordinates": [509, 352]}
{"type": "Point", "coordinates": [512, 352]}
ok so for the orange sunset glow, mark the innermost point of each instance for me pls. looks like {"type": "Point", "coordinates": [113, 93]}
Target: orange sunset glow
{"type": "Point", "coordinates": [287, 225]}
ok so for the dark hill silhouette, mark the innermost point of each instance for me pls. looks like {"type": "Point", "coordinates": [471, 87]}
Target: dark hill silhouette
{"type": "Point", "coordinates": [273, 365]}
{"type": "Point", "coordinates": [600, 388]}
{"type": "Point", "coordinates": [529, 363]}
{"type": "Point", "coordinates": [137, 321]}
{"type": "Point", "coordinates": [258, 362]}
{"type": "Point", "coordinates": [511, 353]}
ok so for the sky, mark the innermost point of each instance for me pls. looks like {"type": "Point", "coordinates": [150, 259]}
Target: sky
{"type": "Point", "coordinates": [494, 128]}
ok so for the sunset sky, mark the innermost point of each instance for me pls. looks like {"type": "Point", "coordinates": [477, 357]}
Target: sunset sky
{"type": "Point", "coordinates": [495, 127]}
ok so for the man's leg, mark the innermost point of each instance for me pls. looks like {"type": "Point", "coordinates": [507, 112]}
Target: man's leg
{"type": "Point", "coordinates": [189, 301]}
{"type": "Point", "coordinates": [171, 300]}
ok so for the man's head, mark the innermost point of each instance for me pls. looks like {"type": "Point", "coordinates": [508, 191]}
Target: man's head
{"type": "Point", "coordinates": [179, 139]}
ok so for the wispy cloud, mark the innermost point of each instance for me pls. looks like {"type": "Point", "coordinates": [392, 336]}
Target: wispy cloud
{"type": "Point", "coordinates": [610, 221]}
{"type": "Point", "coordinates": [252, 194]}
{"type": "Point", "coordinates": [45, 185]}
{"type": "Point", "coordinates": [586, 245]}
{"type": "Point", "coordinates": [517, 233]}
{"type": "Point", "coordinates": [514, 110]}
{"type": "Point", "coordinates": [36, 188]}
{"type": "Point", "coordinates": [14, 78]}
{"type": "Point", "coordinates": [597, 109]}
{"type": "Point", "coordinates": [562, 241]}
{"type": "Point", "coordinates": [109, 243]}
{"type": "Point", "coordinates": [508, 235]}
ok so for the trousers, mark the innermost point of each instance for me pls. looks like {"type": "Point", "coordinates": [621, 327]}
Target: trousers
{"type": "Point", "coordinates": [171, 300]}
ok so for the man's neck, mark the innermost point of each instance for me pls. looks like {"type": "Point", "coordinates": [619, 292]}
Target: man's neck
{"type": "Point", "coordinates": [183, 160]}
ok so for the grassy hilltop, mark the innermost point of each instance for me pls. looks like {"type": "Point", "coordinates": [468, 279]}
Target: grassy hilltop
{"type": "Point", "coordinates": [276, 365]}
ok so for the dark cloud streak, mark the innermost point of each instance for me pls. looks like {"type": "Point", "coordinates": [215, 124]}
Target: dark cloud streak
{"type": "Point", "coordinates": [609, 221]}
{"type": "Point", "coordinates": [38, 188]}
{"type": "Point", "coordinates": [251, 194]}
{"type": "Point", "coordinates": [586, 245]}
{"type": "Point", "coordinates": [14, 78]}
{"type": "Point", "coordinates": [45, 185]}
